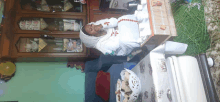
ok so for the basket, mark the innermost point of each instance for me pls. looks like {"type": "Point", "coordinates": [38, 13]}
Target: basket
{"type": "Point", "coordinates": [134, 84]}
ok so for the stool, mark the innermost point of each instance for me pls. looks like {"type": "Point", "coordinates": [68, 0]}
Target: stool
{"type": "Point", "coordinates": [7, 70]}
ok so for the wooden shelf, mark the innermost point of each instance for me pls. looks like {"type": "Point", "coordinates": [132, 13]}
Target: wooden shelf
{"type": "Point", "coordinates": [11, 34]}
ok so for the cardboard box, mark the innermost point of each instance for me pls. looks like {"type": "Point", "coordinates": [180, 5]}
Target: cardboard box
{"type": "Point", "coordinates": [161, 22]}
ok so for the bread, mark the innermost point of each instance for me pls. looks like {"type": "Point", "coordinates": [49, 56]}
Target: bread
{"type": "Point", "coordinates": [126, 87]}
{"type": "Point", "coordinates": [127, 74]}
{"type": "Point", "coordinates": [123, 85]}
{"type": "Point", "coordinates": [119, 98]}
{"type": "Point", "coordinates": [154, 2]}
{"type": "Point", "coordinates": [126, 98]}
{"type": "Point", "coordinates": [117, 92]}
{"type": "Point", "coordinates": [163, 27]}
{"type": "Point", "coordinates": [159, 3]}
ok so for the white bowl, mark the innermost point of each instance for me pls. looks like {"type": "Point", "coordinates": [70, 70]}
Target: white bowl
{"type": "Point", "coordinates": [134, 84]}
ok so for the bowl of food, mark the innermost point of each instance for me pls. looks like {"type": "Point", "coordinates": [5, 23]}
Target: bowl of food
{"type": "Point", "coordinates": [130, 85]}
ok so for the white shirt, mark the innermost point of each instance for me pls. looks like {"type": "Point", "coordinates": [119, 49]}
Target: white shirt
{"type": "Point", "coordinates": [121, 41]}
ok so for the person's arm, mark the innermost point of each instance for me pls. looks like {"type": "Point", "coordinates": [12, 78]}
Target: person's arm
{"type": "Point", "coordinates": [107, 23]}
{"type": "Point", "coordinates": [105, 48]}
{"type": "Point", "coordinates": [108, 46]}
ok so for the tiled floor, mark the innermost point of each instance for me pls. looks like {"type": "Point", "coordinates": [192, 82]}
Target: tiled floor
{"type": "Point", "coordinates": [45, 82]}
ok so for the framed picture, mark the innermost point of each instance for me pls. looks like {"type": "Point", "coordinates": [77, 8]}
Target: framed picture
{"type": "Point", "coordinates": [73, 45]}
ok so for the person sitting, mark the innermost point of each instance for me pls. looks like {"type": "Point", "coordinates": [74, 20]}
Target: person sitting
{"type": "Point", "coordinates": [112, 36]}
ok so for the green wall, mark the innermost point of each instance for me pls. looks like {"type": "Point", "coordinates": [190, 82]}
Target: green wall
{"type": "Point", "coordinates": [45, 82]}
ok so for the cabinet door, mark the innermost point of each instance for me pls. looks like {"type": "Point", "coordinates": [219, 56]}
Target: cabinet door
{"type": "Point", "coordinates": [94, 14]}
{"type": "Point", "coordinates": [49, 24]}
{"type": "Point", "coordinates": [93, 4]}
{"type": "Point", "coordinates": [69, 7]}
{"type": "Point", "coordinates": [36, 45]}
{"type": "Point", "coordinates": [98, 15]}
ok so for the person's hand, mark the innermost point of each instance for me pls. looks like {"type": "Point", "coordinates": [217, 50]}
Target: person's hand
{"type": "Point", "coordinates": [100, 26]}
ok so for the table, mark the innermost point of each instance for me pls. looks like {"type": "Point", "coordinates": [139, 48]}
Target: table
{"type": "Point", "coordinates": [154, 78]}
{"type": "Point", "coordinates": [7, 70]}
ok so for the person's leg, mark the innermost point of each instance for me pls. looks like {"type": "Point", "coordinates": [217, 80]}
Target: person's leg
{"type": "Point", "coordinates": [128, 33]}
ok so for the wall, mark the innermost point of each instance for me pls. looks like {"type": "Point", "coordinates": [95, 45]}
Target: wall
{"type": "Point", "coordinates": [45, 82]}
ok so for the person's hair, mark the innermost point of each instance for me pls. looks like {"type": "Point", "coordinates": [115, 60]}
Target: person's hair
{"type": "Point", "coordinates": [84, 31]}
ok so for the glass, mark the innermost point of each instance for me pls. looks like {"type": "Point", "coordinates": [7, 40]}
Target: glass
{"type": "Point", "coordinates": [46, 45]}
{"type": "Point", "coordinates": [51, 5]}
{"type": "Point", "coordinates": [50, 24]}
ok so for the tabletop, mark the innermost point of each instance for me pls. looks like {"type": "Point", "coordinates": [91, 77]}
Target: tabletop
{"type": "Point", "coordinates": [154, 79]}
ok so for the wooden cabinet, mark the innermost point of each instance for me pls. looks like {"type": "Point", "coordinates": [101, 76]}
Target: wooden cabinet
{"type": "Point", "coordinates": [36, 30]}
{"type": "Point", "coordinates": [33, 32]}
{"type": "Point", "coordinates": [94, 14]}
{"type": "Point", "coordinates": [59, 7]}
{"type": "Point", "coordinates": [49, 24]}
{"type": "Point", "coordinates": [58, 46]}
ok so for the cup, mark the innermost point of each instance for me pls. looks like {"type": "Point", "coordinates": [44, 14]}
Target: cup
{"type": "Point", "coordinates": [172, 47]}
{"type": "Point", "coordinates": [139, 7]}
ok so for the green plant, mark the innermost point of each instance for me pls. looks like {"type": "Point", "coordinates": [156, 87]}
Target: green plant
{"type": "Point", "coordinates": [191, 26]}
